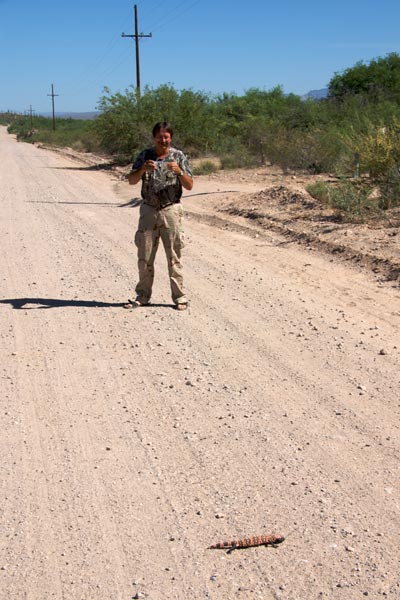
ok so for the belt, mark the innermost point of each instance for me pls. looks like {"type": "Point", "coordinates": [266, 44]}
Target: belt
{"type": "Point", "coordinates": [161, 207]}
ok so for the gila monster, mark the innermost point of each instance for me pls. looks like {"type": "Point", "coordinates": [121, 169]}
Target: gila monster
{"type": "Point", "coordinates": [259, 540]}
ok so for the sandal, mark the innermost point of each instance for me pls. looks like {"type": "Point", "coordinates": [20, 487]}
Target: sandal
{"type": "Point", "coordinates": [181, 306]}
{"type": "Point", "coordinates": [132, 304]}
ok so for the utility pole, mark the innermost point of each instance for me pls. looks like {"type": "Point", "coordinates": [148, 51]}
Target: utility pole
{"type": "Point", "coordinates": [137, 36]}
{"type": "Point", "coordinates": [52, 102]}
{"type": "Point", "coordinates": [30, 112]}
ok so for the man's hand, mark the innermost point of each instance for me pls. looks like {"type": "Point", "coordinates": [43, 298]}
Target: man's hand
{"type": "Point", "coordinates": [174, 167]}
{"type": "Point", "coordinates": [149, 166]}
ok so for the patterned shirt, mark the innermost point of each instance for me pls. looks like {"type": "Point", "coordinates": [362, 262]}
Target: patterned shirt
{"type": "Point", "coordinates": [162, 187]}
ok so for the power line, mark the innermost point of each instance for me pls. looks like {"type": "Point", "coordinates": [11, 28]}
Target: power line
{"type": "Point", "coordinates": [91, 76]}
{"type": "Point", "coordinates": [173, 14]}
{"type": "Point", "coordinates": [95, 80]}
{"type": "Point", "coordinates": [92, 68]}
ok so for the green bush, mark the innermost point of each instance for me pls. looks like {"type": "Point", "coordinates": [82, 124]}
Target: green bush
{"type": "Point", "coordinates": [239, 158]}
{"type": "Point", "coordinates": [68, 132]}
{"type": "Point", "coordinates": [390, 189]}
{"type": "Point", "coordinates": [352, 202]}
{"type": "Point", "coordinates": [6, 118]}
{"type": "Point", "coordinates": [319, 190]}
{"type": "Point", "coordinates": [205, 167]}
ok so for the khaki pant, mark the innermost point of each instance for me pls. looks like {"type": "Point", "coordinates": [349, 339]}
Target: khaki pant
{"type": "Point", "coordinates": [153, 225]}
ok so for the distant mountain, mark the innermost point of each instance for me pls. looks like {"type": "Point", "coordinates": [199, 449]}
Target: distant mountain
{"type": "Point", "coordinates": [316, 94]}
{"type": "Point", "coordinates": [86, 116]}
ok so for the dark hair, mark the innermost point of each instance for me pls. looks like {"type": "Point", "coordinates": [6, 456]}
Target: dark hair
{"type": "Point", "coordinates": [163, 125]}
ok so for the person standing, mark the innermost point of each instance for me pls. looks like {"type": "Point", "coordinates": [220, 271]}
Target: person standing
{"type": "Point", "coordinates": [164, 171]}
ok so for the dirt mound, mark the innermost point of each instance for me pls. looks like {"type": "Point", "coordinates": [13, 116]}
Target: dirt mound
{"type": "Point", "coordinates": [279, 202]}
{"type": "Point", "coordinates": [284, 196]}
{"type": "Point", "coordinates": [295, 214]}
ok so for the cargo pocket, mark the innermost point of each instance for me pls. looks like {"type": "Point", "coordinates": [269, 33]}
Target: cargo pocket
{"type": "Point", "coordinates": [181, 232]}
{"type": "Point", "coordinates": [181, 238]}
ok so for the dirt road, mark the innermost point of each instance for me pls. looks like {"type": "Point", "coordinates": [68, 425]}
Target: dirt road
{"type": "Point", "coordinates": [131, 441]}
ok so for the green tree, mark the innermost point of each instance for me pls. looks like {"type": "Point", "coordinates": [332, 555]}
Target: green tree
{"type": "Point", "coordinates": [126, 121]}
{"type": "Point", "coordinates": [118, 127]}
{"type": "Point", "coordinates": [375, 81]}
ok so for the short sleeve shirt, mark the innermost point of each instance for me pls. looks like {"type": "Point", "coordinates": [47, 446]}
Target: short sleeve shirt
{"type": "Point", "coordinates": [162, 187]}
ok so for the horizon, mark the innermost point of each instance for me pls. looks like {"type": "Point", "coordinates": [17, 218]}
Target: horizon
{"type": "Point", "coordinates": [97, 112]}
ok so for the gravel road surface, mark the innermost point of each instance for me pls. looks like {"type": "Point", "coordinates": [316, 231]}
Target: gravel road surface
{"type": "Point", "coordinates": [133, 440]}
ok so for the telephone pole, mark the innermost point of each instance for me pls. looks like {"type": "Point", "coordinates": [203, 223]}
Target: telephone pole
{"type": "Point", "coordinates": [137, 36]}
{"type": "Point", "coordinates": [52, 102]}
{"type": "Point", "coordinates": [30, 112]}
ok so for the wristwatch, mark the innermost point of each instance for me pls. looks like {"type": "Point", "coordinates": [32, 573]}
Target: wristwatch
{"type": "Point", "coordinates": [180, 174]}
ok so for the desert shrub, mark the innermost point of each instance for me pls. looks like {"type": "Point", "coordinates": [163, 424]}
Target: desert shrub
{"type": "Point", "coordinates": [68, 132]}
{"type": "Point", "coordinates": [8, 117]}
{"type": "Point", "coordinates": [205, 167]}
{"type": "Point", "coordinates": [87, 142]}
{"type": "Point", "coordinates": [378, 148]}
{"type": "Point", "coordinates": [20, 127]}
{"type": "Point", "coordinates": [120, 160]}
{"type": "Point", "coordinates": [316, 151]}
{"type": "Point", "coordinates": [351, 200]}
{"type": "Point", "coordinates": [389, 188]}
{"type": "Point", "coordinates": [239, 158]}
{"type": "Point", "coordinates": [319, 190]}
{"type": "Point", "coordinates": [79, 146]}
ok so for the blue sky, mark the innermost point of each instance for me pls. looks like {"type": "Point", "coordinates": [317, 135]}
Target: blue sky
{"type": "Point", "coordinates": [210, 45]}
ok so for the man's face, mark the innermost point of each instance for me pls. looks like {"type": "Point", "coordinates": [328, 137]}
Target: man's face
{"type": "Point", "coordinates": [162, 139]}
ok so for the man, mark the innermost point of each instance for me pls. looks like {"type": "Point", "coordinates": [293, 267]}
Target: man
{"type": "Point", "coordinates": [164, 170]}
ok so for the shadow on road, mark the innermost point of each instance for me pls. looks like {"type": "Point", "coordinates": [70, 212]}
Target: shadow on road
{"type": "Point", "coordinates": [97, 167]}
{"type": "Point", "coordinates": [57, 303]}
{"type": "Point", "coordinates": [133, 203]}
{"type": "Point", "coordinates": [38, 303]}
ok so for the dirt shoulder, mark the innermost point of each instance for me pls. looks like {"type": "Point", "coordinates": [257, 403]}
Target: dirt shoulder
{"type": "Point", "coordinates": [283, 205]}
{"type": "Point", "coordinates": [266, 198]}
